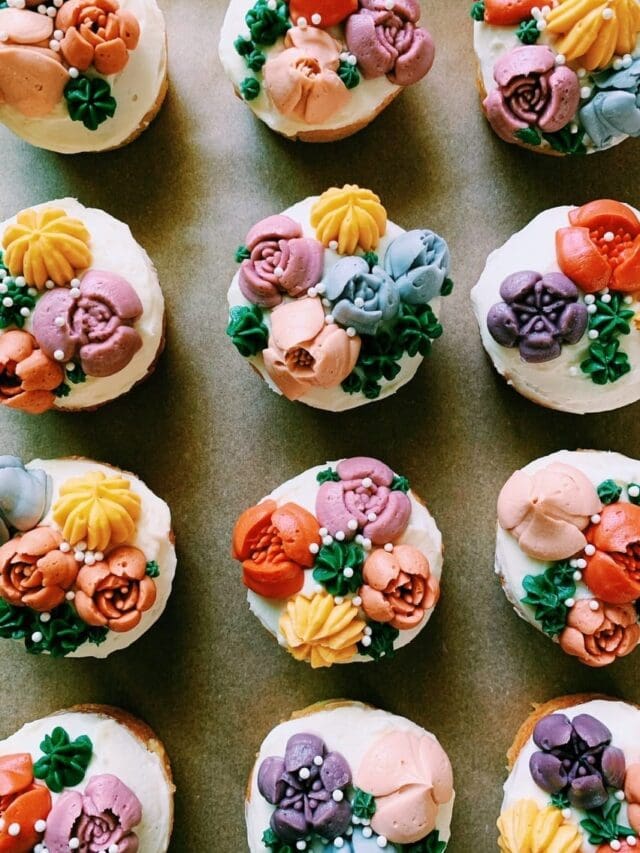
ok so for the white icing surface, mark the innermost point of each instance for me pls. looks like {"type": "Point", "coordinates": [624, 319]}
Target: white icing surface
{"type": "Point", "coordinates": [153, 532]}
{"type": "Point", "coordinates": [422, 532]}
{"type": "Point", "coordinates": [560, 383]}
{"type": "Point", "coordinates": [624, 723]}
{"type": "Point", "coordinates": [136, 89]}
{"type": "Point", "coordinates": [512, 564]}
{"type": "Point", "coordinates": [116, 751]}
{"type": "Point", "coordinates": [366, 98]}
{"type": "Point", "coordinates": [114, 250]}
{"type": "Point", "coordinates": [333, 399]}
{"type": "Point", "coordinates": [349, 730]}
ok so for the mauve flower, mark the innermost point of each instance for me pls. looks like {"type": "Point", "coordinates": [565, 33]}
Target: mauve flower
{"type": "Point", "coordinates": [282, 261]}
{"type": "Point", "coordinates": [532, 91]}
{"type": "Point", "coordinates": [361, 298]}
{"type": "Point", "coordinates": [27, 377]}
{"type": "Point", "coordinates": [34, 572]}
{"type": "Point", "coordinates": [388, 41]}
{"type": "Point", "coordinates": [97, 325]}
{"type": "Point", "coordinates": [25, 496]}
{"type": "Point", "coordinates": [418, 261]}
{"type": "Point", "coordinates": [600, 636]}
{"type": "Point", "coordinates": [98, 33]}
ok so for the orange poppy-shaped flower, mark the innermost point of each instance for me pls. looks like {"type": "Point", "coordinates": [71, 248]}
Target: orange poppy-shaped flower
{"type": "Point", "coordinates": [331, 12]}
{"type": "Point", "coordinates": [21, 802]}
{"type": "Point", "coordinates": [398, 587]}
{"type": "Point", "coordinates": [273, 544]}
{"type": "Point", "coordinates": [601, 248]}
{"type": "Point", "coordinates": [27, 377]}
{"type": "Point", "coordinates": [98, 33]}
{"type": "Point", "coordinates": [34, 572]}
{"type": "Point", "coordinates": [600, 636]}
{"type": "Point", "coordinates": [507, 13]}
{"type": "Point", "coordinates": [115, 592]}
{"type": "Point", "coordinates": [613, 572]}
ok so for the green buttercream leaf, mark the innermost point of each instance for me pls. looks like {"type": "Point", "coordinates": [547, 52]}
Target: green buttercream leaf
{"type": "Point", "coordinates": [609, 491]}
{"type": "Point", "coordinates": [400, 484]}
{"type": "Point", "coordinates": [61, 635]}
{"type": "Point", "coordinates": [547, 593]}
{"type": "Point", "coordinates": [611, 319]}
{"type": "Point", "coordinates": [383, 637]}
{"type": "Point", "coordinates": [352, 384]}
{"type": "Point", "coordinates": [602, 824]}
{"type": "Point", "coordinates": [605, 363]}
{"type": "Point", "coordinates": [14, 621]}
{"type": "Point", "coordinates": [267, 25]}
{"type": "Point", "coordinates": [64, 762]}
{"type": "Point", "coordinates": [565, 142]}
{"type": "Point", "coordinates": [332, 560]}
{"type": "Point", "coordinates": [243, 46]}
{"type": "Point", "coordinates": [477, 11]}
{"type": "Point", "coordinates": [529, 135]}
{"type": "Point", "coordinates": [349, 74]}
{"type": "Point", "coordinates": [528, 31]}
{"type": "Point", "coordinates": [328, 476]}
{"type": "Point", "coordinates": [250, 88]}
{"type": "Point", "coordinates": [11, 315]}
{"type": "Point", "coordinates": [89, 100]}
{"type": "Point", "coordinates": [62, 390]}
{"type": "Point", "coordinates": [255, 60]}
{"type": "Point", "coordinates": [363, 804]}
{"type": "Point", "coordinates": [153, 569]}
{"type": "Point", "coordinates": [371, 258]}
{"type": "Point", "coordinates": [243, 253]}
{"type": "Point", "coordinates": [430, 844]}
{"type": "Point", "coordinates": [246, 329]}
{"type": "Point", "coordinates": [447, 287]}
{"type": "Point", "coordinates": [560, 801]}
{"type": "Point", "coordinates": [273, 843]}
{"type": "Point", "coordinates": [77, 375]}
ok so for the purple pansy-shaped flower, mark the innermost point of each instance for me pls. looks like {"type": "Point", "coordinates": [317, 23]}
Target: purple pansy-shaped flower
{"type": "Point", "coordinates": [539, 314]}
{"type": "Point", "coordinates": [307, 788]}
{"type": "Point", "coordinates": [576, 758]}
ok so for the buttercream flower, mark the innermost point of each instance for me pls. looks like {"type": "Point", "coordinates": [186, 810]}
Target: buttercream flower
{"type": "Point", "coordinates": [532, 91]}
{"type": "Point", "coordinates": [27, 377]}
{"type": "Point", "coordinates": [363, 299]}
{"type": "Point", "coordinates": [25, 496]}
{"type": "Point", "coordinates": [305, 352]}
{"type": "Point", "coordinates": [548, 510]}
{"type": "Point", "coordinates": [388, 41]}
{"type": "Point", "coordinates": [351, 216]}
{"type": "Point", "coordinates": [410, 776]}
{"type": "Point", "coordinates": [304, 800]}
{"type": "Point", "coordinates": [632, 795]}
{"type": "Point", "coordinates": [526, 828]}
{"type": "Point", "coordinates": [614, 110]}
{"type": "Point", "coordinates": [282, 261]}
{"type": "Point", "coordinates": [507, 13]}
{"type": "Point", "coordinates": [320, 631]}
{"type": "Point", "coordinates": [398, 587]}
{"type": "Point", "coordinates": [34, 572]}
{"type": "Point", "coordinates": [613, 570]}
{"type": "Point", "coordinates": [601, 247]}
{"type": "Point", "coordinates": [331, 12]}
{"type": "Point", "coordinates": [115, 592]}
{"type": "Point", "coordinates": [97, 326]}
{"type": "Point", "coordinates": [273, 544]}
{"type": "Point", "coordinates": [302, 80]}
{"type": "Point", "coordinates": [362, 499]}
{"type": "Point", "coordinates": [21, 802]}
{"type": "Point", "coordinates": [539, 313]}
{"type": "Point", "coordinates": [600, 636]}
{"type": "Point", "coordinates": [98, 33]}
{"type": "Point", "coordinates": [101, 818]}
{"type": "Point", "coordinates": [418, 261]}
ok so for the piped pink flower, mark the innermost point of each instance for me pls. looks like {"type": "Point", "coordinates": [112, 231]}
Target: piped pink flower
{"type": "Point", "coordinates": [398, 587]}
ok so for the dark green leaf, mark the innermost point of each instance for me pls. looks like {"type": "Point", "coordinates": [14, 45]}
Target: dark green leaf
{"type": "Point", "coordinates": [529, 135]}
{"type": "Point", "coordinates": [383, 637]}
{"type": "Point", "coordinates": [328, 475]}
{"type": "Point", "coordinates": [363, 804]}
{"type": "Point", "coordinates": [64, 762]}
{"type": "Point", "coordinates": [250, 88]}
{"type": "Point", "coordinates": [528, 31]}
{"type": "Point", "coordinates": [400, 484]}
{"type": "Point", "coordinates": [89, 100]}
{"type": "Point", "coordinates": [609, 491]}
{"type": "Point", "coordinates": [447, 287]}
{"type": "Point", "coordinates": [331, 562]}
{"type": "Point", "coordinates": [349, 74]}
{"type": "Point", "coordinates": [153, 569]}
{"type": "Point", "coordinates": [243, 253]}
{"type": "Point", "coordinates": [246, 329]}
{"type": "Point", "coordinates": [547, 593]}
{"type": "Point", "coordinates": [477, 10]}
{"type": "Point", "coordinates": [267, 25]}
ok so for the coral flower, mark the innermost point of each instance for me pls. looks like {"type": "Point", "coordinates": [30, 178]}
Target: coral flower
{"type": "Point", "coordinates": [34, 572]}
{"type": "Point", "coordinates": [21, 802]}
{"type": "Point", "coordinates": [601, 248]}
{"type": "Point", "coordinates": [507, 13]}
{"type": "Point", "coordinates": [27, 377]}
{"type": "Point", "coordinates": [613, 571]}
{"type": "Point", "coordinates": [600, 636]}
{"type": "Point", "coordinates": [398, 587]}
{"type": "Point", "coordinates": [98, 33]}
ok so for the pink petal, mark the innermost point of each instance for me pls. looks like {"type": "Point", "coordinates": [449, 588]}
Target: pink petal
{"type": "Point", "coordinates": [501, 118]}
{"type": "Point", "coordinates": [292, 387]}
{"type": "Point", "coordinates": [52, 304]}
{"type": "Point", "coordinates": [331, 510]}
{"type": "Point", "coordinates": [115, 291]}
{"type": "Point", "coordinates": [305, 266]}
{"type": "Point", "coordinates": [564, 100]}
{"type": "Point", "coordinates": [360, 467]}
{"type": "Point", "coordinates": [392, 521]}
{"type": "Point", "coordinates": [522, 62]}
{"type": "Point", "coordinates": [278, 227]}
{"type": "Point", "coordinates": [111, 356]}
{"type": "Point", "coordinates": [296, 323]}
{"type": "Point", "coordinates": [108, 793]}
{"type": "Point", "coordinates": [416, 62]}
{"type": "Point", "coordinates": [61, 820]}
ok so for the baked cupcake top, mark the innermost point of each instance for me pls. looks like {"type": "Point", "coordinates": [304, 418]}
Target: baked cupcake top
{"type": "Point", "coordinates": [85, 780]}
{"type": "Point", "coordinates": [568, 552]}
{"type": "Point", "coordinates": [561, 78]}
{"type": "Point", "coordinates": [80, 75]}
{"type": "Point", "coordinates": [81, 310]}
{"type": "Point", "coordinates": [86, 556]}
{"type": "Point", "coordinates": [558, 306]}
{"type": "Point", "coordinates": [342, 563]}
{"type": "Point", "coordinates": [333, 304]}
{"type": "Point", "coordinates": [322, 69]}
{"type": "Point", "coordinates": [575, 784]}
{"type": "Point", "coordinates": [345, 776]}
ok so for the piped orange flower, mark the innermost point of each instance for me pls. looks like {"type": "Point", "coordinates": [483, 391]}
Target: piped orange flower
{"type": "Point", "coordinates": [601, 248]}
{"type": "Point", "coordinates": [27, 377]}
{"type": "Point", "coordinates": [508, 13]}
{"type": "Point", "coordinates": [273, 544]}
{"type": "Point", "coordinates": [597, 637]}
{"type": "Point", "coordinates": [613, 571]}
{"type": "Point", "coordinates": [21, 802]}
{"type": "Point", "coordinates": [98, 33]}
{"type": "Point", "coordinates": [331, 12]}
{"type": "Point", "coordinates": [34, 572]}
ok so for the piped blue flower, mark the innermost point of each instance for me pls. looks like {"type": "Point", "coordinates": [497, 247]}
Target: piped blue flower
{"type": "Point", "coordinates": [615, 110]}
{"type": "Point", "coordinates": [418, 261]}
{"type": "Point", "coordinates": [25, 496]}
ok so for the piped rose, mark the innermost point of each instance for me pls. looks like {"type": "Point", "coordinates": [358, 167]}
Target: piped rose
{"type": "Point", "coordinates": [598, 636]}
{"type": "Point", "coordinates": [27, 377]}
{"type": "Point", "coordinates": [98, 33]}
{"type": "Point", "coordinates": [25, 496]}
{"type": "Point", "coordinates": [613, 570]}
{"type": "Point", "coordinates": [21, 802]}
{"type": "Point", "coordinates": [34, 572]}
{"type": "Point", "coordinates": [362, 299]}
{"type": "Point", "coordinates": [398, 587]}
{"type": "Point", "coordinates": [419, 262]}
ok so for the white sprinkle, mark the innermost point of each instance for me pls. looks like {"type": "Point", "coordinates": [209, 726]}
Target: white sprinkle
{"type": "Point", "coordinates": [367, 832]}
{"type": "Point", "coordinates": [589, 299]}
{"type": "Point", "coordinates": [278, 272]}
{"type": "Point", "coordinates": [344, 55]}
{"type": "Point", "coordinates": [389, 5]}
{"type": "Point", "coordinates": [304, 773]}
{"type": "Point", "coordinates": [339, 600]}
{"type": "Point", "coordinates": [81, 546]}
{"type": "Point", "coordinates": [7, 302]}
{"type": "Point", "coordinates": [608, 14]}
{"type": "Point", "coordinates": [32, 291]}
{"type": "Point", "coordinates": [25, 311]}
{"type": "Point", "coordinates": [561, 59]}
{"type": "Point", "coordinates": [74, 843]}
{"type": "Point", "coordinates": [338, 842]}
{"type": "Point", "coordinates": [541, 25]}
{"type": "Point", "coordinates": [605, 290]}
{"type": "Point", "coordinates": [42, 9]}
{"type": "Point", "coordinates": [574, 127]}
{"type": "Point", "coordinates": [351, 332]}
{"type": "Point", "coordinates": [388, 547]}
{"type": "Point", "coordinates": [619, 795]}
{"type": "Point", "coordinates": [545, 11]}
{"type": "Point", "coordinates": [582, 72]}
{"type": "Point", "coordinates": [359, 538]}
{"type": "Point", "coordinates": [628, 300]}
{"type": "Point", "coordinates": [51, 12]}
{"type": "Point", "coordinates": [327, 540]}
{"type": "Point", "coordinates": [348, 572]}
{"type": "Point", "coordinates": [570, 602]}
{"type": "Point", "coordinates": [632, 840]}
{"type": "Point", "coordinates": [58, 355]}
{"type": "Point", "coordinates": [366, 544]}
{"type": "Point", "coordinates": [329, 319]}
{"type": "Point", "coordinates": [372, 516]}
{"type": "Point", "coordinates": [70, 595]}
{"type": "Point", "coordinates": [38, 848]}
{"type": "Point", "coordinates": [617, 64]}
{"type": "Point", "coordinates": [589, 550]}
{"type": "Point", "coordinates": [323, 531]}
{"type": "Point", "coordinates": [577, 575]}
{"type": "Point", "coordinates": [75, 282]}
{"type": "Point", "coordinates": [337, 796]}
{"type": "Point", "coordinates": [574, 371]}
{"type": "Point", "coordinates": [333, 245]}
{"type": "Point", "coordinates": [74, 73]}
{"type": "Point", "coordinates": [356, 600]}
{"type": "Point", "coordinates": [14, 829]}
{"type": "Point", "coordinates": [627, 59]}
{"type": "Point", "coordinates": [302, 22]}
{"type": "Point", "coordinates": [318, 761]}
{"type": "Point", "coordinates": [634, 491]}
{"type": "Point", "coordinates": [340, 535]}
{"type": "Point", "coordinates": [326, 303]}
{"type": "Point", "coordinates": [609, 237]}
{"type": "Point", "coordinates": [36, 637]}
{"type": "Point", "coordinates": [58, 35]}
{"type": "Point", "coordinates": [314, 547]}
{"type": "Point", "coordinates": [573, 564]}
{"type": "Point", "coordinates": [595, 519]}
{"type": "Point", "coordinates": [273, 5]}
{"type": "Point", "coordinates": [536, 12]}
{"type": "Point", "coordinates": [366, 641]}
{"type": "Point", "coordinates": [316, 19]}
{"type": "Point", "coordinates": [594, 334]}
{"type": "Point", "coordinates": [312, 292]}
{"type": "Point", "coordinates": [582, 564]}
{"type": "Point", "coordinates": [99, 556]}
{"type": "Point", "coordinates": [367, 483]}
{"type": "Point", "coordinates": [54, 44]}
{"type": "Point", "coordinates": [352, 524]}
{"type": "Point", "coordinates": [368, 631]}
{"type": "Point", "coordinates": [40, 825]}
{"type": "Point", "coordinates": [74, 292]}
{"type": "Point", "coordinates": [593, 604]}
{"type": "Point", "coordinates": [585, 92]}
{"type": "Point", "coordinates": [20, 281]}
{"type": "Point", "coordinates": [59, 321]}
{"type": "Point", "coordinates": [352, 60]}
{"type": "Point", "coordinates": [381, 841]}
{"type": "Point", "coordinates": [615, 844]}
{"type": "Point", "coordinates": [301, 845]}
{"type": "Point", "coordinates": [592, 309]}
{"type": "Point", "coordinates": [606, 298]}
{"type": "Point", "coordinates": [64, 547]}
{"type": "Point", "coordinates": [79, 556]}
{"type": "Point", "coordinates": [566, 813]}
{"type": "Point", "coordinates": [45, 617]}
{"type": "Point", "coordinates": [89, 559]}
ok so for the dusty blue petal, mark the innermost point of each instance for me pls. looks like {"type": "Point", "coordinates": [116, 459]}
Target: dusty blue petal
{"type": "Point", "coordinates": [341, 274]}
{"type": "Point", "coordinates": [420, 286]}
{"type": "Point", "coordinates": [364, 322]}
{"type": "Point", "coordinates": [361, 299]}
{"type": "Point", "coordinates": [626, 78]}
{"type": "Point", "coordinates": [595, 124]}
{"type": "Point", "coordinates": [25, 495]}
{"type": "Point", "coordinates": [419, 261]}
{"type": "Point", "coordinates": [620, 110]}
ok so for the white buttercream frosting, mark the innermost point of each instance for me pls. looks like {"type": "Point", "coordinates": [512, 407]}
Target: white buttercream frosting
{"type": "Point", "coordinates": [560, 383]}
{"type": "Point", "coordinates": [349, 729]}
{"type": "Point", "coordinates": [118, 752]}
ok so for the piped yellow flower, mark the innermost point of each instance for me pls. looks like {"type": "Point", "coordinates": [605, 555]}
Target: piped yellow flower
{"type": "Point", "coordinates": [352, 217]}
{"type": "Point", "coordinates": [320, 631]}
{"type": "Point", "coordinates": [98, 510]}
{"type": "Point", "coordinates": [526, 828]}
{"type": "Point", "coordinates": [592, 32]}
{"type": "Point", "coordinates": [45, 245]}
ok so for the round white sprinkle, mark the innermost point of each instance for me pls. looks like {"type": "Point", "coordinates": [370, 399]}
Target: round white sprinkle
{"type": "Point", "coordinates": [607, 14]}
{"type": "Point", "coordinates": [594, 334]}
{"type": "Point", "coordinates": [570, 602]}
{"type": "Point", "coordinates": [381, 841]}
{"type": "Point", "coordinates": [368, 631]}
{"type": "Point", "coordinates": [632, 840]}
{"type": "Point", "coordinates": [327, 540]}
{"type": "Point", "coordinates": [32, 291]}
{"type": "Point", "coordinates": [49, 284]}
{"type": "Point", "coordinates": [278, 272]}
{"type": "Point", "coordinates": [81, 546]}
{"type": "Point", "coordinates": [304, 773]}
{"type": "Point", "coordinates": [333, 245]}
{"type": "Point", "coordinates": [352, 60]}
{"type": "Point", "coordinates": [89, 559]}
{"type": "Point", "coordinates": [40, 825]}
{"type": "Point", "coordinates": [366, 544]}
{"type": "Point", "coordinates": [59, 321]}
{"type": "Point", "coordinates": [20, 281]}
{"type": "Point", "coordinates": [356, 601]}
{"type": "Point", "coordinates": [574, 371]}
{"type": "Point", "coordinates": [589, 299]}
{"type": "Point", "coordinates": [367, 832]}
{"type": "Point", "coordinates": [58, 35]}
{"type": "Point", "coordinates": [301, 845]}
{"type": "Point", "coordinates": [79, 556]}
{"type": "Point", "coordinates": [589, 550]}
{"type": "Point", "coordinates": [338, 842]}
{"type": "Point", "coordinates": [36, 637]}
{"type": "Point", "coordinates": [372, 516]}
{"type": "Point", "coordinates": [318, 761]}
{"type": "Point", "coordinates": [585, 92]}
{"type": "Point", "coordinates": [74, 73]}
{"type": "Point", "coordinates": [70, 595]}
{"type": "Point", "coordinates": [574, 127]}
{"type": "Point", "coordinates": [54, 44]}
{"type": "Point", "coordinates": [605, 290]}
{"type": "Point", "coordinates": [339, 600]}
{"type": "Point", "coordinates": [577, 576]}
{"type": "Point", "coordinates": [366, 641]}
{"type": "Point", "coordinates": [99, 556]}
{"type": "Point", "coordinates": [312, 292]}
{"type": "Point", "coordinates": [302, 22]}
{"type": "Point", "coordinates": [51, 12]}
{"type": "Point", "coordinates": [615, 844]}
{"type": "Point", "coordinates": [329, 319]}
{"type": "Point", "coordinates": [74, 292]}
{"type": "Point", "coordinates": [566, 813]}
{"type": "Point", "coordinates": [582, 564]}
{"type": "Point", "coordinates": [340, 535]}
{"type": "Point", "coordinates": [593, 604]}
{"type": "Point", "coordinates": [627, 59]}
{"type": "Point", "coordinates": [634, 491]}
{"type": "Point", "coordinates": [326, 303]}
{"type": "Point", "coordinates": [42, 9]}
{"type": "Point", "coordinates": [388, 547]}
{"type": "Point", "coordinates": [74, 843]}
{"type": "Point", "coordinates": [351, 332]}
{"type": "Point", "coordinates": [337, 796]}
{"type": "Point", "coordinates": [582, 72]}
{"type": "Point", "coordinates": [25, 311]}
{"type": "Point", "coordinates": [323, 531]}
{"type": "Point", "coordinates": [619, 795]}
{"type": "Point", "coordinates": [45, 617]}
{"type": "Point", "coordinates": [609, 236]}
{"type": "Point", "coordinates": [606, 298]}
{"type": "Point", "coordinates": [348, 572]}
{"type": "Point", "coordinates": [617, 63]}
{"type": "Point", "coordinates": [541, 25]}
{"type": "Point", "coordinates": [64, 547]}
{"type": "Point", "coordinates": [573, 564]}
{"type": "Point", "coordinates": [316, 19]}
{"type": "Point", "coordinates": [352, 524]}
{"type": "Point", "coordinates": [7, 302]}
{"type": "Point", "coordinates": [595, 519]}
{"type": "Point", "coordinates": [389, 4]}
{"type": "Point", "coordinates": [314, 547]}
{"type": "Point", "coordinates": [14, 829]}
{"type": "Point", "coordinates": [628, 300]}
{"type": "Point", "coordinates": [75, 282]}
{"type": "Point", "coordinates": [592, 309]}
{"type": "Point", "coordinates": [359, 539]}
{"type": "Point", "coordinates": [38, 849]}
{"type": "Point", "coordinates": [561, 59]}
{"type": "Point", "coordinates": [367, 483]}
{"type": "Point", "coordinates": [58, 355]}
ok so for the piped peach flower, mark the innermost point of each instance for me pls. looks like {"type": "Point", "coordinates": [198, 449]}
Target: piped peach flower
{"type": "Point", "coordinates": [302, 80]}
{"type": "Point", "coordinates": [27, 377]}
{"type": "Point", "coordinates": [21, 802]}
{"type": "Point", "coordinates": [632, 795]}
{"type": "Point", "coordinates": [115, 592]}
{"type": "Point", "coordinates": [34, 572]}
{"type": "Point", "coordinates": [600, 636]}
{"type": "Point", "coordinates": [305, 352]}
{"type": "Point", "coordinates": [547, 511]}
{"type": "Point", "coordinates": [398, 587]}
{"type": "Point", "coordinates": [613, 571]}
{"type": "Point", "coordinates": [98, 33]}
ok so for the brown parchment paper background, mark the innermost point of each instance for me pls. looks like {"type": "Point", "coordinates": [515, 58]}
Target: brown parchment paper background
{"type": "Point", "coordinates": [211, 439]}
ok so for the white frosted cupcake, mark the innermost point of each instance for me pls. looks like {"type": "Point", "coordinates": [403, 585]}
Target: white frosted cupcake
{"type": "Point", "coordinates": [334, 305]}
{"type": "Point", "coordinates": [81, 75]}
{"type": "Point", "coordinates": [345, 776]}
{"type": "Point", "coordinates": [86, 556]}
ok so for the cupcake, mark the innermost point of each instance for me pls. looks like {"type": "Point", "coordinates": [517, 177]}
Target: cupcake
{"type": "Point", "coordinates": [81, 310]}
{"type": "Point", "coordinates": [568, 553]}
{"type": "Point", "coordinates": [342, 563]}
{"type": "Point", "coordinates": [574, 779]}
{"type": "Point", "coordinates": [345, 776]}
{"type": "Point", "coordinates": [91, 778]}
{"type": "Point", "coordinates": [558, 308]}
{"type": "Point", "coordinates": [334, 305]}
{"type": "Point", "coordinates": [562, 78]}
{"type": "Point", "coordinates": [320, 70]}
{"type": "Point", "coordinates": [86, 556]}
{"type": "Point", "coordinates": [81, 75]}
